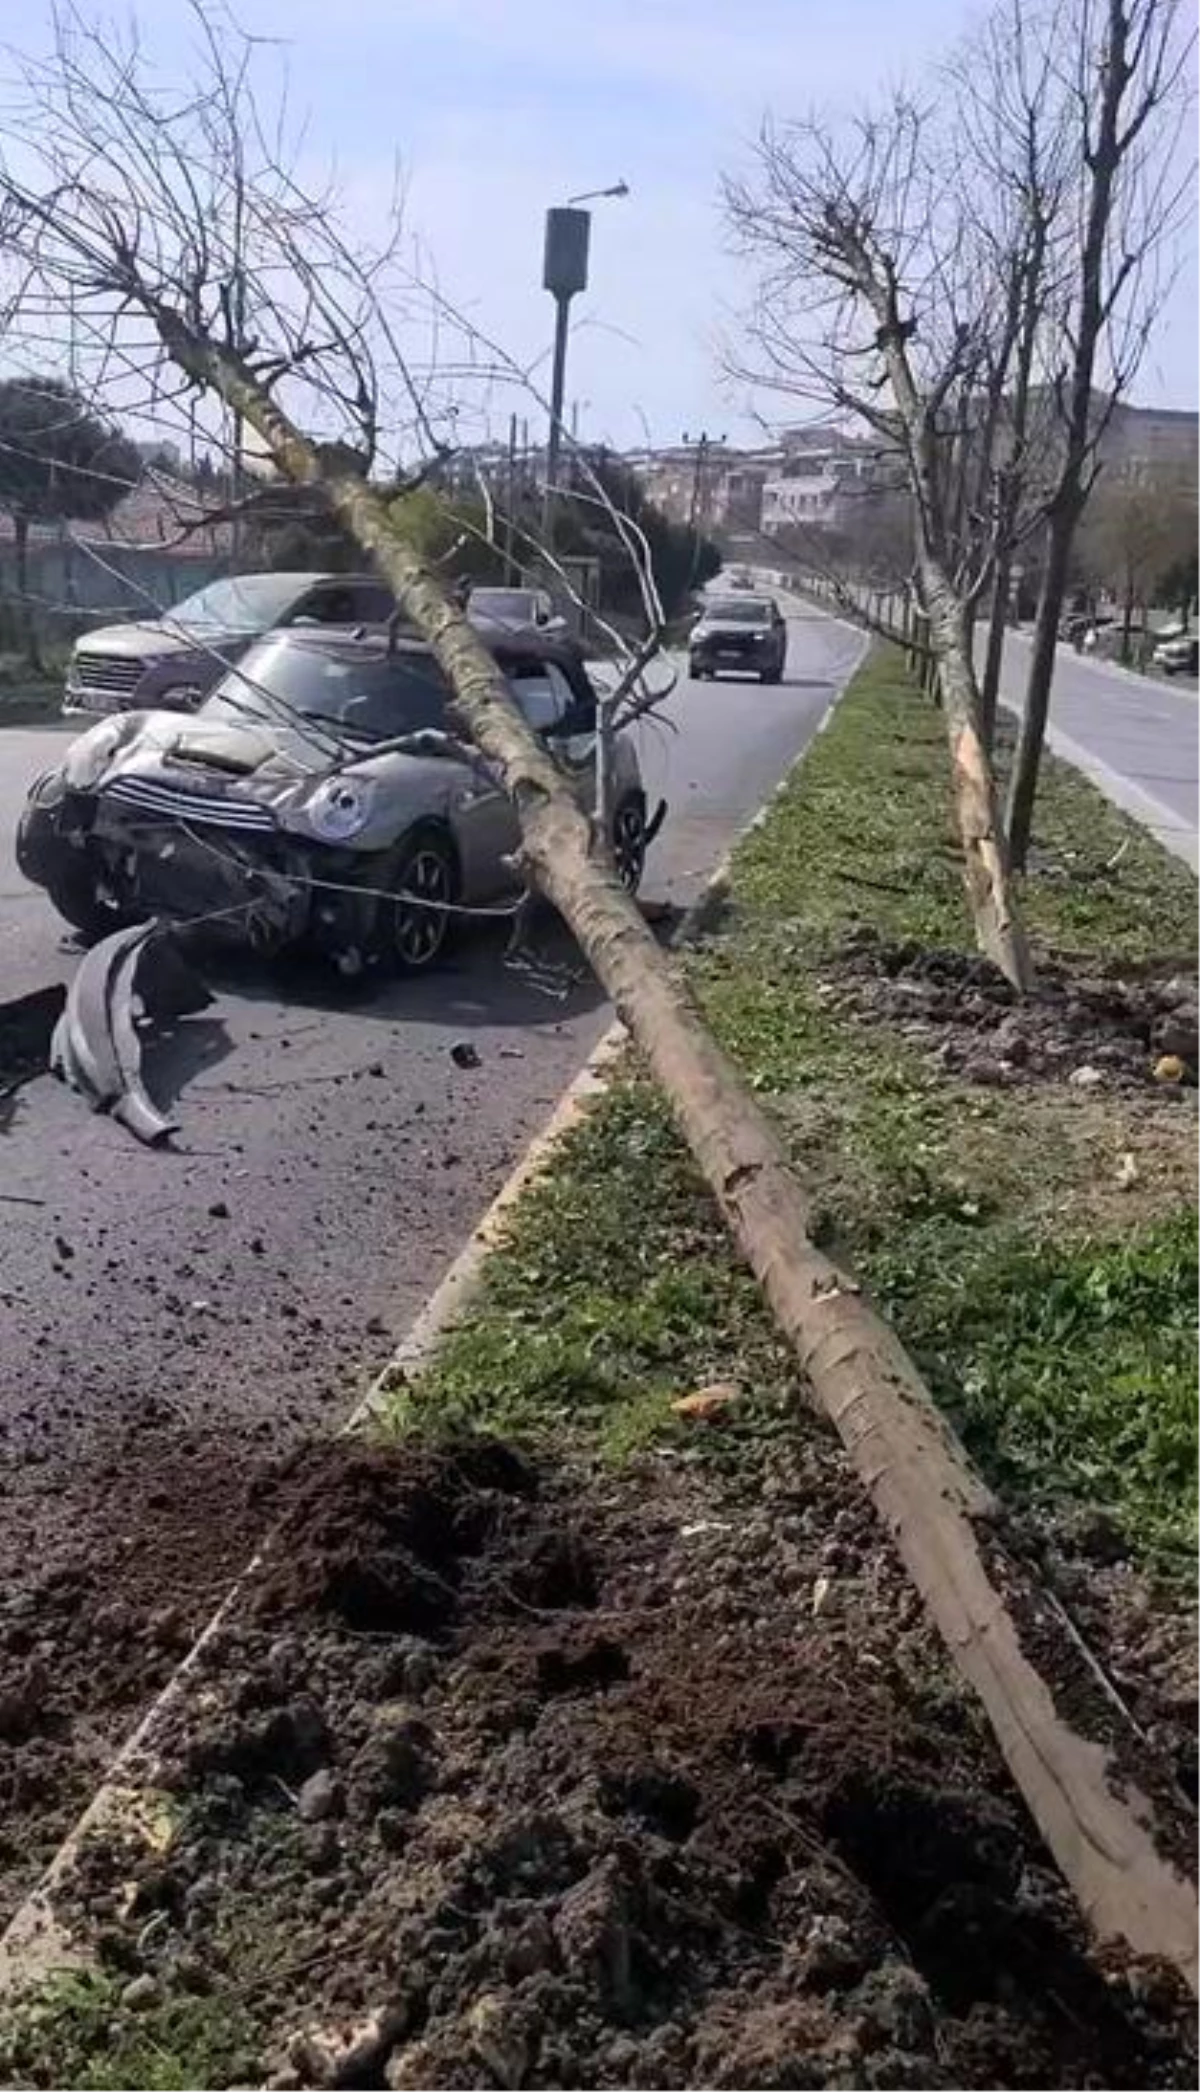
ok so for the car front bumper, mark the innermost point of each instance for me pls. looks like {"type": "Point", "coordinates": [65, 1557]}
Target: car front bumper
{"type": "Point", "coordinates": [263, 891]}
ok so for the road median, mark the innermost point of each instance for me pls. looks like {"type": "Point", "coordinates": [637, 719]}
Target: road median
{"type": "Point", "coordinates": [584, 1727]}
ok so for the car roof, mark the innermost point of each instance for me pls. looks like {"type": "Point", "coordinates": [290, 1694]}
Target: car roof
{"type": "Point", "coordinates": [373, 641]}
{"type": "Point", "coordinates": [744, 601]}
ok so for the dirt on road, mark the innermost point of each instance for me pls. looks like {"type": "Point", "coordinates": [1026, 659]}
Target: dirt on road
{"type": "Point", "coordinates": [521, 1776]}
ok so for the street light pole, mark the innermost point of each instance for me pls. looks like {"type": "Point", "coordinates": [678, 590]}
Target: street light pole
{"type": "Point", "coordinates": [564, 272]}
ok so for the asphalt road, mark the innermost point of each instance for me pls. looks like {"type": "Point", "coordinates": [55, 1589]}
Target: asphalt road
{"type": "Point", "coordinates": [1136, 736]}
{"type": "Point", "coordinates": [332, 1156]}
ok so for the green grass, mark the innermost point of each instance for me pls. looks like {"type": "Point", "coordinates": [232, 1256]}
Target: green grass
{"type": "Point", "coordinates": [1055, 1325]}
{"type": "Point", "coordinates": [74, 2033]}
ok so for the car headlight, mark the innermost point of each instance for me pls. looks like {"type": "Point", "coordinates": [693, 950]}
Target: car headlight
{"type": "Point", "coordinates": [48, 790]}
{"type": "Point", "coordinates": [88, 758]}
{"type": "Point", "coordinates": [339, 809]}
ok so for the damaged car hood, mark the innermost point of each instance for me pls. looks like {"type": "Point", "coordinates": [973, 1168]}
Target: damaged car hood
{"type": "Point", "coordinates": [248, 773]}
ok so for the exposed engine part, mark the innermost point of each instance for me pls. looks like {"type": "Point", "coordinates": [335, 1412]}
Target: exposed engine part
{"type": "Point", "coordinates": [96, 1048]}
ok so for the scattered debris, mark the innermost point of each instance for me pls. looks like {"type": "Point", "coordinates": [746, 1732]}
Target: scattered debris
{"type": "Point", "coordinates": [961, 1008]}
{"type": "Point", "coordinates": [1086, 1077]}
{"type": "Point", "coordinates": [707, 1402]}
{"type": "Point", "coordinates": [464, 1055]}
{"type": "Point", "coordinates": [1169, 1068]}
{"type": "Point", "coordinates": [1127, 1171]}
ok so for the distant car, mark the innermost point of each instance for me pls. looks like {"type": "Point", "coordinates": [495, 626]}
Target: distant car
{"type": "Point", "coordinates": [1178, 655]}
{"type": "Point", "coordinates": [315, 799]}
{"type": "Point", "coordinates": [515, 608]}
{"type": "Point", "coordinates": [170, 663]}
{"type": "Point", "coordinates": [746, 633]}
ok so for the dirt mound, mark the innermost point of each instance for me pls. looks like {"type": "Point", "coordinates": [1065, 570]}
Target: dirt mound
{"type": "Point", "coordinates": [538, 1779]}
{"type": "Point", "coordinates": [1120, 1029]}
{"type": "Point", "coordinates": [87, 1642]}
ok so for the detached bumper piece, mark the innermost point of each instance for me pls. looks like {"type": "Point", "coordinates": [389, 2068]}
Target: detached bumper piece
{"type": "Point", "coordinates": [95, 1047]}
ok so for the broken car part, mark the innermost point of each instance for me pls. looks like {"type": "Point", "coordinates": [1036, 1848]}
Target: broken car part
{"type": "Point", "coordinates": [96, 1048]}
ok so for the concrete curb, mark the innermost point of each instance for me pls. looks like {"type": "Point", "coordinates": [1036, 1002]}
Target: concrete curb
{"type": "Point", "coordinates": [35, 1943]}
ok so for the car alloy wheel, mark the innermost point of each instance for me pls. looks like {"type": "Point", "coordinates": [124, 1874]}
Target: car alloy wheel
{"type": "Point", "coordinates": [421, 926]}
{"type": "Point", "coordinates": [629, 843]}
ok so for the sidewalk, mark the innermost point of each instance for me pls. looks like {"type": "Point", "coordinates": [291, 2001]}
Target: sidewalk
{"type": "Point", "coordinates": [1134, 736]}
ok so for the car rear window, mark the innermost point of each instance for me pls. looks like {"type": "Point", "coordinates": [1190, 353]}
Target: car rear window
{"type": "Point", "coordinates": [739, 610]}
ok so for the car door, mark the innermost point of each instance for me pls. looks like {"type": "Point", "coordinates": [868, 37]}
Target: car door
{"type": "Point", "coordinates": [479, 815]}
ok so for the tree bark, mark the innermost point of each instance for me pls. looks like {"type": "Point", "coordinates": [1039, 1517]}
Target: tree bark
{"type": "Point", "coordinates": [1104, 1832]}
{"type": "Point", "coordinates": [998, 926]}
{"type": "Point", "coordinates": [1023, 782]}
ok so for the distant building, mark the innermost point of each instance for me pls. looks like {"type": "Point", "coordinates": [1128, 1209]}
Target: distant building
{"type": "Point", "coordinates": [820, 483]}
{"type": "Point", "coordinates": [1150, 439]}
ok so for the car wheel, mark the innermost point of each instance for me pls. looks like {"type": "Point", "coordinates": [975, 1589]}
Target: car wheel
{"type": "Point", "coordinates": [416, 931]}
{"type": "Point", "coordinates": [66, 877]}
{"type": "Point", "coordinates": [629, 842]}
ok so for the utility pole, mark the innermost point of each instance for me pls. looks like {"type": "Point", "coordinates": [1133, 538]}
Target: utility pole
{"type": "Point", "coordinates": [510, 500]}
{"type": "Point", "coordinates": [701, 444]}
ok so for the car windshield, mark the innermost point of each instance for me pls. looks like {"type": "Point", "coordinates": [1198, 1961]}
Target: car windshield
{"type": "Point", "coordinates": [739, 610]}
{"type": "Point", "coordinates": [514, 603]}
{"type": "Point", "coordinates": [371, 696]}
{"type": "Point", "coordinates": [243, 603]}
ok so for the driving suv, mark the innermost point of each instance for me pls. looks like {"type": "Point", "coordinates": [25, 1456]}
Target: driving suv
{"type": "Point", "coordinates": [319, 797]}
{"type": "Point", "coordinates": [173, 661]}
{"type": "Point", "coordinates": [743, 633]}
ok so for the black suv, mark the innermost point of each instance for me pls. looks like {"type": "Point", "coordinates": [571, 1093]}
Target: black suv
{"type": "Point", "coordinates": [745, 633]}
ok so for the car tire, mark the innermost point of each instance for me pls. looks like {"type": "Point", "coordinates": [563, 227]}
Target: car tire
{"type": "Point", "coordinates": [414, 936]}
{"type": "Point", "coordinates": [628, 841]}
{"type": "Point", "coordinates": [65, 876]}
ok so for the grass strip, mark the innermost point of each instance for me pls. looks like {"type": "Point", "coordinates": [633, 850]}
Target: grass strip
{"type": "Point", "coordinates": [1051, 1306]}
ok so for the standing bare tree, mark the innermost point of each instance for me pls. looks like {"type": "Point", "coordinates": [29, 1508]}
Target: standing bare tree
{"type": "Point", "coordinates": [1121, 68]}
{"type": "Point", "coordinates": [1012, 152]}
{"type": "Point", "coordinates": [1138, 527]}
{"type": "Point", "coordinates": [878, 301]}
{"type": "Point", "coordinates": [123, 221]}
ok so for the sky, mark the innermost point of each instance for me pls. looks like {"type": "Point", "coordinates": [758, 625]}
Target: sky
{"type": "Point", "coordinates": [496, 109]}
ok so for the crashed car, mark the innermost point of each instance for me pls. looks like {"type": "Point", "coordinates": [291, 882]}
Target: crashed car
{"type": "Point", "coordinates": [318, 798]}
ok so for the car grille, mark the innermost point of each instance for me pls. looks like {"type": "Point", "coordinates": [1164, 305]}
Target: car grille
{"type": "Point", "coordinates": [150, 797]}
{"type": "Point", "coordinates": [116, 672]}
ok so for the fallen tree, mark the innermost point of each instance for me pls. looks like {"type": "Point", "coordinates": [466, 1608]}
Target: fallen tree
{"type": "Point", "coordinates": [1110, 1820]}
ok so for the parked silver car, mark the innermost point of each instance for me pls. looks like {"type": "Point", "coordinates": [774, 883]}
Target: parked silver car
{"type": "Point", "coordinates": [173, 661]}
{"type": "Point", "coordinates": [315, 799]}
{"type": "Point", "coordinates": [515, 608]}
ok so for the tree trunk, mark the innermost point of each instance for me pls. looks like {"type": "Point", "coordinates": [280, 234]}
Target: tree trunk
{"type": "Point", "coordinates": [945, 1523]}
{"type": "Point", "coordinates": [1023, 783]}
{"type": "Point", "coordinates": [29, 633]}
{"type": "Point", "coordinates": [993, 660]}
{"type": "Point", "coordinates": [985, 856]}
{"type": "Point", "coordinates": [1127, 628]}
